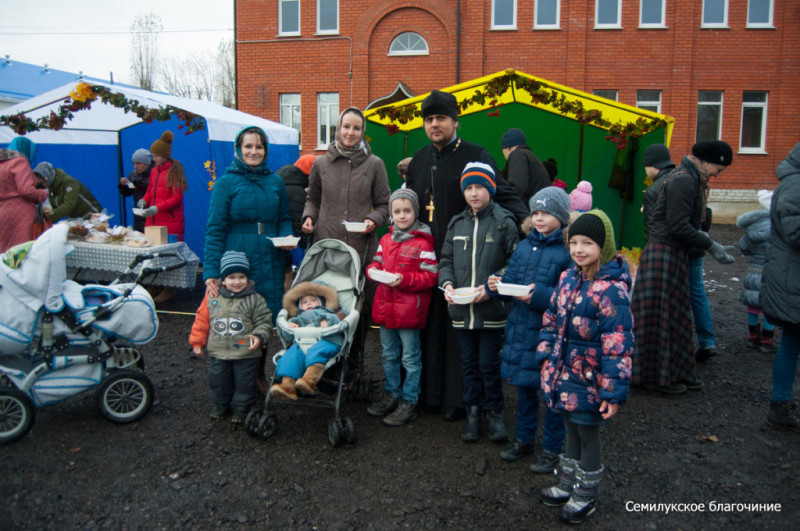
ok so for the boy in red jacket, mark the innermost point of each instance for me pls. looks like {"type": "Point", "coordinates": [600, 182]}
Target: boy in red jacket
{"type": "Point", "coordinates": [406, 269]}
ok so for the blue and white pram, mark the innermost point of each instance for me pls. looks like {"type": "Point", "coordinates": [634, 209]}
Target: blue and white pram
{"type": "Point", "coordinates": [58, 338]}
{"type": "Point", "coordinates": [338, 265]}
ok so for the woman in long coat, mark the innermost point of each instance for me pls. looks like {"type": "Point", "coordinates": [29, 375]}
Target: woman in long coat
{"type": "Point", "coordinates": [18, 196]}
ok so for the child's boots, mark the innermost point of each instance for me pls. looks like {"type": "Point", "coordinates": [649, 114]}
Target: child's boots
{"type": "Point", "coordinates": [284, 390]}
{"type": "Point", "coordinates": [559, 494]}
{"type": "Point", "coordinates": [754, 339]}
{"type": "Point", "coordinates": [584, 496]}
{"type": "Point", "coordinates": [306, 384]}
{"type": "Point", "coordinates": [765, 344]}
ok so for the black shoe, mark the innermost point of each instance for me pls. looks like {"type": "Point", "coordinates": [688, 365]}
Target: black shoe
{"type": "Point", "coordinates": [452, 413]}
{"type": "Point", "coordinates": [383, 406]}
{"type": "Point", "coordinates": [497, 426]}
{"type": "Point", "coordinates": [516, 450]}
{"type": "Point", "coordinates": [704, 354]}
{"type": "Point", "coordinates": [471, 432]}
{"type": "Point", "coordinates": [693, 383]}
{"type": "Point", "coordinates": [671, 389]}
{"type": "Point", "coordinates": [781, 415]}
{"type": "Point", "coordinates": [545, 463]}
{"type": "Point", "coordinates": [403, 414]}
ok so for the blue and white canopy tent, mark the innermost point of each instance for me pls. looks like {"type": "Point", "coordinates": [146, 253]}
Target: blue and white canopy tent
{"type": "Point", "coordinates": [96, 146]}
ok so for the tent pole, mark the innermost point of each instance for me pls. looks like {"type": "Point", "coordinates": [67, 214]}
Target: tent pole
{"type": "Point", "coordinates": [580, 156]}
{"type": "Point", "coordinates": [122, 210]}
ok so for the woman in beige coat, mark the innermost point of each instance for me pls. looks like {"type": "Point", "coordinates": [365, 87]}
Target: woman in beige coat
{"type": "Point", "coordinates": [348, 183]}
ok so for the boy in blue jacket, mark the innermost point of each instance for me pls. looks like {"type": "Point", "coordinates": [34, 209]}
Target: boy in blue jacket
{"type": "Point", "coordinates": [538, 263]}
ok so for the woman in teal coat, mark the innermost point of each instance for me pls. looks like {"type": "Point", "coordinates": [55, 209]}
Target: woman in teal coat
{"type": "Point", "coordinates": [248, 206]}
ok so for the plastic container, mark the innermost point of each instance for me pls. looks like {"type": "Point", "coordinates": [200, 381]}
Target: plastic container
{"type": "Point", "coordinates": [383, 277]}
{"type": "Point", "coordinates": [464, 295]}
{"type": "Point", "coordinates": [355, 226]}
{"type": "Point", "coordinates": [285, 241]}
{"type": "Point", "coordinates": [513, 290]}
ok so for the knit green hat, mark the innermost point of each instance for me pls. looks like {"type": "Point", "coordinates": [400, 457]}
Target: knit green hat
{"type": "Point", "coordinates": [595, 224]}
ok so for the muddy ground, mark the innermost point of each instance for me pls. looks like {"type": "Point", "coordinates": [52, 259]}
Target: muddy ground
{"type": "Point", "coordinates": [176, 468]}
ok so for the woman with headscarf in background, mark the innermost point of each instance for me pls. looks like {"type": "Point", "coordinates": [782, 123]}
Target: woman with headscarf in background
{"type": "Point", "coordinates": [18, 193]}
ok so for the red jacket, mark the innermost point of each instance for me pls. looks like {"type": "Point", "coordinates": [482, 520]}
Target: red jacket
{"type": "Point", "coordinates": [405, 306]}
{"type": "Point", "coordinates": [168, 200]}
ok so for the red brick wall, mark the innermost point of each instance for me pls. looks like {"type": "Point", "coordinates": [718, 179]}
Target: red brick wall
{"type": "Point", "coordinates": [679, 60]}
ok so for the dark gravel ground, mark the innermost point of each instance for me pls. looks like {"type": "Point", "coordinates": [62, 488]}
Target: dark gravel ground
{"type": "Point", "coordinates": [176, 468]}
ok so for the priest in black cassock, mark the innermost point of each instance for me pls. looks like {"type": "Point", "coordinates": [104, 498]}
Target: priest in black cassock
{"type": "Point", "coordinates": [434, 173]}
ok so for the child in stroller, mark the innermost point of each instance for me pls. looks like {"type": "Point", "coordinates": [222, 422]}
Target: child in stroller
{"type": "Point", "coordinates": [308, 304]}
{"type": "Point", "coordinates": [333, 264]}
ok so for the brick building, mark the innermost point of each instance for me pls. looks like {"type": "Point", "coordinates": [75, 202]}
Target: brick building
{"type": "Point", "coordinates": [727, 69]}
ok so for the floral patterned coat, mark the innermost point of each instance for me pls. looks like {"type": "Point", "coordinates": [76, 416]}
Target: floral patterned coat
{"type": "Point", "coordinates": [587, 336]}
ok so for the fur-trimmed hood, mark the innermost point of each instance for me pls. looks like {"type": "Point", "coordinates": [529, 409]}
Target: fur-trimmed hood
{"type": "Point", "coordinates": [293, 296]}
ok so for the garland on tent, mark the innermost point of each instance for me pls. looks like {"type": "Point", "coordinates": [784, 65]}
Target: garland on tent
{"type": "Point", "coordinates": [540, 93]}
{"type": "Point", "coordinates": [81, 98]}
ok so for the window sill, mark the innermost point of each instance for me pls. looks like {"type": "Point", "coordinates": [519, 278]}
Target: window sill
{"type": "Point", "coordinates": [609, 27]}
{"type": "Point", "coordinates": [751, 151]}
{"type": "Point", "coordinates": [760, 26]}
{"type": "Point", "coordinates": [503, 28]}
{"type": "Point", "coordinates": [653, 26]}
{"type": "Point", "coordinates": [715, 26]}
{"type": "Point", "coordinates": [282, 35]}
{"type": "Point", "coordinates": [546, 28]}
{"type": "Point", "coordinates": [326, 33]}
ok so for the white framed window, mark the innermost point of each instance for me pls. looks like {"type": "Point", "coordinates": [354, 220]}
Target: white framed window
{"type": "Point", "coordinates": [408, 43]}
{"type": "Point", "coordinates": [607, 14]}
{"type": "Point", "coordinates": [290, 112]}
{"type": "Point", "coordinates": [754, 122]}
{"type": "Point", "coordinates": [759, 13]}
{"type": "Point", "coordinates": [547, 14]}
{"type": "Point", "coordinates": [327, 118]}
{"type": "Point", "coordinates": [327, 17]}
{"type": "Point", "coordinates": [715, 14]}
{"type": "Point", "coordinates": [649, 100]}
{"type": "Point", "coordinates": [504, 14]}
{"type": "Point", "coordinates": [610, 94]}
{"type": "Point", "coordinates": [709, 115]}
{"type": "Point", "coordinates": [652, 13]}
{"type": "Point", "coordinates": [288, 17]}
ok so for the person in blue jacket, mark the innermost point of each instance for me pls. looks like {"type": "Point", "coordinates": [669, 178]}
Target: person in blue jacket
{"type": "Point", "coordinates": [537, 262]}
{"type": "Point", "coordinates": [249, 205]}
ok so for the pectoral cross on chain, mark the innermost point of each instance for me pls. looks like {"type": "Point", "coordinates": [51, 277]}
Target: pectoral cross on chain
{"type": "Point", "coordinates": [430, 208]}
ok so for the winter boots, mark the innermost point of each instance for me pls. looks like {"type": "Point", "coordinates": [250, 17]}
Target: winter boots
{"type": "Point", "coordinates": [471, 432]}
{"type": "Point", "coordinates": [781, 415]}
{"type": "Point", "coordinates": [559, 494]}
{"type": "Point", "coordinates": [765, 345]}
{"type": "Point", "coordinates": [576, 491]}
{"type": "Point", "coordinates": [497, 426]}
{"type": "Point", "coordinates": [584, 495]}
{"type": "Point", "coordinates": [306, 384]}
{"type": "Point", "coordinates": [754, 337]}
{"type": "Point", "coordinates": [284, 390]}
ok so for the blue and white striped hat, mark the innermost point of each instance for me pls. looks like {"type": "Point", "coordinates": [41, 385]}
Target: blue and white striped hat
{"type": "Point", "coordinates": [233, 262]}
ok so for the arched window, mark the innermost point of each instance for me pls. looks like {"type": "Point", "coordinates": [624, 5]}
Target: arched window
{"type": "Point", "coordinates": [408, 43]}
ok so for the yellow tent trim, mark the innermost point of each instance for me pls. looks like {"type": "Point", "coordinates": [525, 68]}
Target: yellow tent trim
{"type": "Point", "coordinates": [479, 95]}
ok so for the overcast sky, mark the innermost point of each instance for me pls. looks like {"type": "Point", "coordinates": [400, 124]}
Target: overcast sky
{"type": "Point", "coordinates": [93, 36]}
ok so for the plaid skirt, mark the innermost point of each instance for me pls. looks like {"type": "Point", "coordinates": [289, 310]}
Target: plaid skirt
{"type": "Point", "coordinates": [662, 314]}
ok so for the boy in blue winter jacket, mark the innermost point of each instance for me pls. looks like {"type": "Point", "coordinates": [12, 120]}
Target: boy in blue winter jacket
{"type": "Point", "coordinates": [479, 242]}
{"type": "Point", "coordinates": [538, 263]}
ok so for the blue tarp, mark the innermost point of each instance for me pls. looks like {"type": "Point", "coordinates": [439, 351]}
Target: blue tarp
{"type": "Point", "coordinates": [96, 148]}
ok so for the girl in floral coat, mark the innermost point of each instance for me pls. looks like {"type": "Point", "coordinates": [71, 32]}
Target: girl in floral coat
{"type": "Point", "coordinates": [588, 341]}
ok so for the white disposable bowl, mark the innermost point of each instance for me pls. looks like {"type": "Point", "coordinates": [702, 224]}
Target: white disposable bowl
{"type": "Point", "coordinates": [382, 276]}
{"type": "Point", "coordinates": [513, 290]}
{"type": "Point", "coordinates": [355, 226]}
{"type": "Point", "coordinates": [463, 295]}
{"type": "Point", "coordinates": [283, 241]}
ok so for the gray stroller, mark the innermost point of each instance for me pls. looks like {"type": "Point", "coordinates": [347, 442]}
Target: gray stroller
{"type": "Point", "coordinates": [338, 265]}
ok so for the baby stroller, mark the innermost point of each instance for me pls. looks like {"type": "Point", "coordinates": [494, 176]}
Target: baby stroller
{"type": "Point", "coordinates": [59, 338]}
{"type": "Point", "coordinates": [338, 265]}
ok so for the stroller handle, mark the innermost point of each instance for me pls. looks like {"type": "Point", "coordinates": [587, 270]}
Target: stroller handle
{"type": "Point", "coordinates": [178, 262]}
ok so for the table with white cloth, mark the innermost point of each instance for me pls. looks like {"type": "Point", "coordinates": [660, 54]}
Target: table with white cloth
{"type": "Point", "coordinates": [105, 261]}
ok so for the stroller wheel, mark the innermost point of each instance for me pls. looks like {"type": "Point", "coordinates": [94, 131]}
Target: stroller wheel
{"type": "Point", "coordinates": [349, 430]}
{"type": "Point", "coordinates": [336, 432]}
{"type": "Point", "coordinates": [125, 396]}
{"type": "Point", "coordinates": [16, 414]}
{"type": "Point", "coordinates": [252, 420]}
{"type": "Point", "coordinates": [267, 426]}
